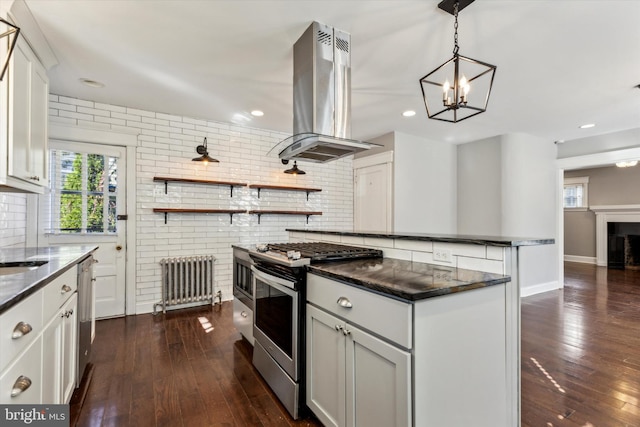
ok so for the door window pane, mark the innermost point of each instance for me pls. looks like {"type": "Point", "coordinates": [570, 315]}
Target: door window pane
{"type": "Point", "coordinates": [83, 193]}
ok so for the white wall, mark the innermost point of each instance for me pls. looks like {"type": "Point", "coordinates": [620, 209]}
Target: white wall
{"type": "Point", "coordinates": [479, 187]}
{"type": "Point", "coordinates": [166, 145]}
{"type": "Point", "coordinates": [424, 185]}
{"type": "Point", "coordinates": [507, 185]}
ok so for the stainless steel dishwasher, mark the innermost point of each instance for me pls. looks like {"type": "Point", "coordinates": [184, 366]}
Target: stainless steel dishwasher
{"type": "Point", "coordinates": [85, 314]}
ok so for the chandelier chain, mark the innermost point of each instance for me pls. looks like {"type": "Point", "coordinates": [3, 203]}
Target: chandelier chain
{"type": "Point", "coordinates": [455, 27]}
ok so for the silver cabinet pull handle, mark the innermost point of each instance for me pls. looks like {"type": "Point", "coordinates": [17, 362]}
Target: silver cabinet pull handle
{"type": "Point", "coordinates": [346, 332]}
{"type": "Point", "coordinates": [243, 313]}
{"type": "Point", "coordinates": [21, 385]}
{"type": "Point", "coordinates": [338, 327]}
{"type": "Point", "coordinates": [20, 330]}
{"type": "Point", "coordinates": [65, 289]}
{"type": "Point", "coordinates": [344, 302]}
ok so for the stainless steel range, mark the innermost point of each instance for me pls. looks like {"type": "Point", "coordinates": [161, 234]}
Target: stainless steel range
{"type": "Point", "coordinates": [279, 279]}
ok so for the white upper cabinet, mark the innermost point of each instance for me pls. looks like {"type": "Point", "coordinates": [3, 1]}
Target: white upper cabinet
{"type": "Point", "coordinates": [24, 97]}
{"type": "Point", "coordinates": [24, 137]}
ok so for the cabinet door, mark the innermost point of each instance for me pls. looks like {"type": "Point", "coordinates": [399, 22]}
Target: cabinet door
{"type": "Point", "coordinates": [39, 109]}
{"type": "Point", "coordinates": [28, 110]}
{"type": "Point", "coordinates": [325, 367]}
{"type": "Point", "coordinates": [24, 374]}
{"type": "Point", "coordinates": [378, 382]}
{"type": "Point", "coordinates": [52, 360]}
{"type": "Point", "coordinates": [59, 354]}
{"type": "Point", "coordinates": [69, 347]}
{"type": "Point", "coordinates": [19, 110]}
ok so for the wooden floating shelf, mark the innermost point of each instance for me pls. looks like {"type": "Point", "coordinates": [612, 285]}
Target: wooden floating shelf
{"type": "Point", "coordinates": [284, 188]}
{"type": "Point", "coordinates": [167, 180]}
{"type": "Point", "coordinates": [270, 212]}
{"type": "Point", "coordinates": [167, 211]}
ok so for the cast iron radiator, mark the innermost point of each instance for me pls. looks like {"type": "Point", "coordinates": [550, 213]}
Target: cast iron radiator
{"type": "Point", "coordinates": [187, 280]}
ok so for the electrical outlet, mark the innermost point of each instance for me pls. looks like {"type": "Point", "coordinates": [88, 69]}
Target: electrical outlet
{"type": "Point", "coordinates": [442, 255]}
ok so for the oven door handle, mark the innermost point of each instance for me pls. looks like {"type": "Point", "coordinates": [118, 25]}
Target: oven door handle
{"type": "Point", "coordinates": [276, 282]}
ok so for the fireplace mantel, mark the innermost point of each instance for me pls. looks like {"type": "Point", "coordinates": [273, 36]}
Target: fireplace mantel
{"type": "Point", "coordinates": [611, 213]}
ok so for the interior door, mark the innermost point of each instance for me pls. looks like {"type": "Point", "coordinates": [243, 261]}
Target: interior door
{"type": "Point", "coordinates": [372, 198]}
{"type": "Point", "coordinates": [86, 205]}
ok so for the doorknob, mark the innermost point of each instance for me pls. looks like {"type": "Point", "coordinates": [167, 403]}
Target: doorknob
{"type": "Point", "coordinates": [118, 248]}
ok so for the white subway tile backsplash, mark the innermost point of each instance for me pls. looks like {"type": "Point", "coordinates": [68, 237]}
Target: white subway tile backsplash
{"type": "Point", "coordinates": [166, 145]}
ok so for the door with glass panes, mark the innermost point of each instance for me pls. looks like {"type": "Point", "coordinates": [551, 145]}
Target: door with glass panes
{"type": "Point", "coordinates": [85, 205]}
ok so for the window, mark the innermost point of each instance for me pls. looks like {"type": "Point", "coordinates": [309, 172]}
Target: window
{"type": "Point", "coordinates": [83, 193]}
{"type": "Point", "coordinates": [576, 193]}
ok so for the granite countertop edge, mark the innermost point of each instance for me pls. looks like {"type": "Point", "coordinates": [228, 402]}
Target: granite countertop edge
{"type": "Point", "coordinates": [15, 288]}
{"type": "Point", "coordinates": [399, 290]}
{"type": "Point", "coordinates": [501, 241]}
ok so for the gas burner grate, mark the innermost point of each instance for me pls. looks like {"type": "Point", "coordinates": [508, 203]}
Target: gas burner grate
{"type": "Point", "coordinates": [322, 251]}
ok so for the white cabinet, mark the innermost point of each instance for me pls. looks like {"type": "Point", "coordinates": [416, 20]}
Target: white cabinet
{"type": "Point", "coordinates": [59, 359]}
{"type": "Point", "coordinates": [38, 345]}
{"type": "Point", "coordinates": [20, 351]}
{"type": "Point", "coordinates": [20, 383]}
{"type": "Point", "coordinates": [353, 377]}
{"type": "Point", "coordinates": [24, 94]}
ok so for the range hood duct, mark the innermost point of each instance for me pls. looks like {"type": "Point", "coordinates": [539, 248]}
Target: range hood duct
{"type": "Point", "coordinates": [322, 97]}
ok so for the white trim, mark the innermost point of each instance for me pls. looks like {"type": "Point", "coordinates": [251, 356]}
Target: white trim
{"type": "Point", "coordinates": [374, 159]}
{"type": "Point", "coordinates": [615, 209]}
{"type": "Point", "coordinates": [605, 215]}
{"type": "Point", "coordinates": [539, 288]}
{"type": "Point", "coordinates": [580, 259]}
{"type": "Point", "coordinates": [95, 136]}
{"type": "Point", "coordinates": [576, 180]}
{"type": "Point", "coordinates": [21, 15]}
{"type": "Point", "coordinates": [580, 162]}
{"type": "Point", "coordinates": [599, 159]}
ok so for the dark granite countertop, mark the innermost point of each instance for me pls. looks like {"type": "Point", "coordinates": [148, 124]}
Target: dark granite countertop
{"type": "Point", "coordinates": [16, 287]}
{"type": "Point", "coordinates": [503, 241]}
{"type": "Point", "coordinates": [407, 280]}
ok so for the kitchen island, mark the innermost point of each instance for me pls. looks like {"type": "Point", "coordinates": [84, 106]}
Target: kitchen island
{"type": "Point", "coordinates": [447, 351]}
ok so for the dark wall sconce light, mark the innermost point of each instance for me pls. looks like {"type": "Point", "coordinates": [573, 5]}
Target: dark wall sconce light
{"type": "Point", "coordinates": [204, 154]}
{"type": "Point", "coordinates": [11, 32]}
{"type": "Point", "coordinates": [294, 170]}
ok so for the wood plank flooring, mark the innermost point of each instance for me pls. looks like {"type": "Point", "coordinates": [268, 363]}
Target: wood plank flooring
{"type": "Point", "coordinates": [187, 368]}
{"type": "Point", "coordinates": [581, 351]}
{"type": "Point", "coordinates": [580, 363]}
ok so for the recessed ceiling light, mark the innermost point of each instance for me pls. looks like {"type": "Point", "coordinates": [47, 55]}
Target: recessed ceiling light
{"type": "Point", "coordinates": [409, 113]}
{"type": "Point", "coordinates": [257, 113]}
{"type": "Point", "coordinates": [92, 83]}
{"type": "Point", "coordinates": [587, 126]}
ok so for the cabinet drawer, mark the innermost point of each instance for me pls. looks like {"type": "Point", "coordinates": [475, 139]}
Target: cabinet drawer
{"type": "Point", "coordinates": [28, 364]}
{"type": "Point", "coordinates": [27, 314]}
{"type": "Point", "coordinates": [59, 291]}
{"type": "Point", "coordinates": [386, 317]}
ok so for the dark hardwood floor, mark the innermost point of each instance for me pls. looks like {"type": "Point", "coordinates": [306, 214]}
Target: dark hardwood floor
{"type": "Point", "coordinates": [580, 363]}
{"type": "Point", "coordinates": [581, 351]}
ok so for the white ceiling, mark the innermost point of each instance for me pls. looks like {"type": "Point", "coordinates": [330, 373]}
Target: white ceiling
{"type": "Point", "coordinates": [561, 63]}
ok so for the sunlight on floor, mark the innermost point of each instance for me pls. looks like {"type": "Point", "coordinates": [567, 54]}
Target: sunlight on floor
{"type": "Point", "coordinates": [206, 324]}
{"type": "Point", "coordinates": [549, 377]}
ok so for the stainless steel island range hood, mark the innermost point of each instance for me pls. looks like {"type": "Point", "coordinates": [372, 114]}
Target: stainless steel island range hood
{"type": "Point", "coordinates": [322, 97]}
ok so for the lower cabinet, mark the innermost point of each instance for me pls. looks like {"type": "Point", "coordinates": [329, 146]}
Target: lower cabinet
{"type": "Point", "coordinates": [243, 319]}
{"type": "Point", "coordinates": [354, 378]}
{"type": "Point", "coordinates": [21, 382]}
{"type": "Point", "coordinates": [59, 359]}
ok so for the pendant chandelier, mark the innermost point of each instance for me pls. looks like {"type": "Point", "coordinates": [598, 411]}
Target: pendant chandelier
{"type": "Point", "coordinates": [459, 88]}
{"type": "Point", "coordinates": [11, 32]}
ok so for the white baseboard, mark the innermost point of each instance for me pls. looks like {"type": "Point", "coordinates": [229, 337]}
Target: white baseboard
{"type": "Point", "coordinates": [581, 259]}
{"type": "Point", "coordinates": [539, 288]}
